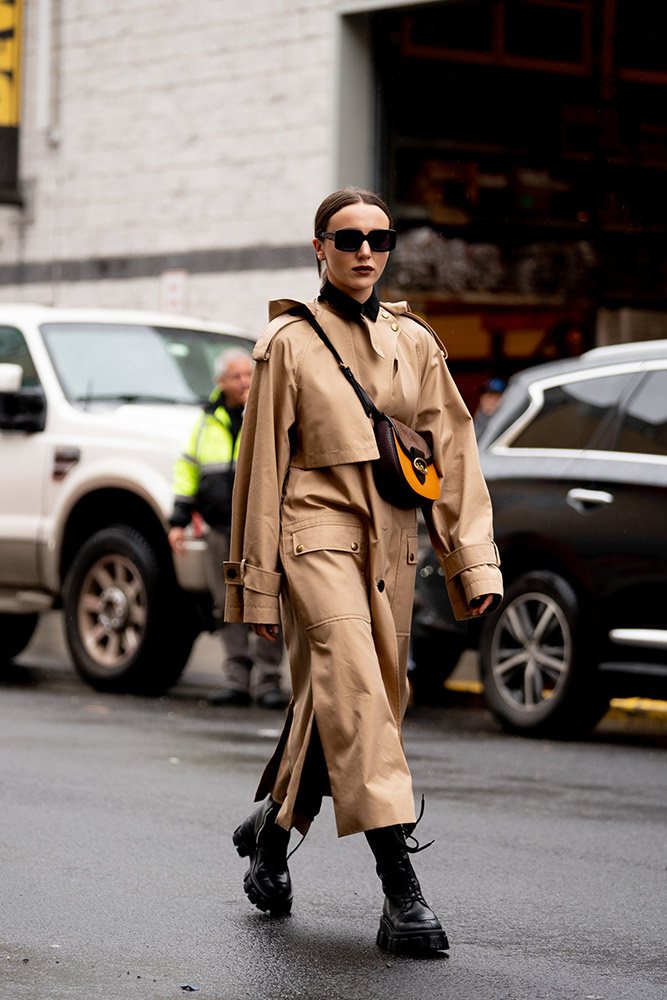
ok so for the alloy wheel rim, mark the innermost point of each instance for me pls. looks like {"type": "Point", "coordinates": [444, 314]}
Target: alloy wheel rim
{"type": "Point", "coordinates": [112, 611]}
{"type": "Point", "coordinates": [531, 655]}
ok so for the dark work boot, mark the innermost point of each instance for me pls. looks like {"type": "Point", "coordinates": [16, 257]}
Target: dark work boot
{"type": "Point", "coordinates": [408, 926]}
{"type": "Point", "coordinates": [267, 881]}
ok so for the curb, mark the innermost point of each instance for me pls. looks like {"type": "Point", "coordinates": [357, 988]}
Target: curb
{"type": "Point", "coordinates": [470, 693]}
{"type": "Point", "coordinates": [646, 708]}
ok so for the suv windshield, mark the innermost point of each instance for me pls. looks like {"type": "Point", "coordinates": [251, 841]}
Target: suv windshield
{"type": "Point", "coordinates": [135, 363]}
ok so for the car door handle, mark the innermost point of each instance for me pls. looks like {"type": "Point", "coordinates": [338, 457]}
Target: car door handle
{"type": "Point", "coordinates": [584, 501]}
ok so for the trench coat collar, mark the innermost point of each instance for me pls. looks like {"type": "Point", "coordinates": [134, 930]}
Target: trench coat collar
{"type": "Point", "coordinates": [382, 338]}
{"type": "Point", "coordinates": [388, 311]}
{"type": "Point", "coordinates": [278, 307]}
{"type": "Point", "coordinates": [380, 342]}
{"type": "Point", "coordinates": [363, 313]}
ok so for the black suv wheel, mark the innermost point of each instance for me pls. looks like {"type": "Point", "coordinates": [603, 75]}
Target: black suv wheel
{"type": "Point", "coordinates": [538, 668]}
{"type": "Point", "coordinates": [123, 626]}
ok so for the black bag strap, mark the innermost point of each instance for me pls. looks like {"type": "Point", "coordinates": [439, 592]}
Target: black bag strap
{"type": "Point", "coordinates": [366, 401]}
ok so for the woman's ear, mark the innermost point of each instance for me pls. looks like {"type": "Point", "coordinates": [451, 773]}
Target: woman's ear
{"type": "Point", "coordinates": [319, 253]}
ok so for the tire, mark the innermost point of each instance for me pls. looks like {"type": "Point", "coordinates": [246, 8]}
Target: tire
{"type": "Point", "coordinates": [538, 667]}
{"type": "Point", "coordinates": [125, 629]}
{"type": "Point", "coordinates": [16, 631]}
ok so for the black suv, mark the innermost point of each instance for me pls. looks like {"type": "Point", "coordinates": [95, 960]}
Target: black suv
{"type": "Point", "coordinates": [575, 458]}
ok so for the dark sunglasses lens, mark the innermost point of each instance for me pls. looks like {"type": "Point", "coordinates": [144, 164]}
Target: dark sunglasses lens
{"type": "Point", "coordinates": [348, 240]}
{"type": "Point", "coordinates": [382, 240]}
{"type": "Point", "coordinates": [379, 240]}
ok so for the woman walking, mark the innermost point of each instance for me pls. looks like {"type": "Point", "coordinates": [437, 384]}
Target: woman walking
{"type": "Point", "coordinates": [315, 545]}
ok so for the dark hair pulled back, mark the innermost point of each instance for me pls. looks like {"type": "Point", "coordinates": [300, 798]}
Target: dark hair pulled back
{"type": "Point", "coordinates": [340, 199]}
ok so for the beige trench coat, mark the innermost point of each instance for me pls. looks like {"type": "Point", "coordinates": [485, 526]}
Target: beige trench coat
{"type": "Point", "coordinates": [314, 543]}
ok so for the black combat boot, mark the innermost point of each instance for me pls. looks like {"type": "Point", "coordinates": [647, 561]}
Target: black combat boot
{"type": "Point", "coordinates": [267, 881]}
{"type": "Point", "coordinates": [407, 926]}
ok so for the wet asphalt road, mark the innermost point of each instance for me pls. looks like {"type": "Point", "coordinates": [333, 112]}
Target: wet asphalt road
{"type": "Point", "coordinates": [118, 878]}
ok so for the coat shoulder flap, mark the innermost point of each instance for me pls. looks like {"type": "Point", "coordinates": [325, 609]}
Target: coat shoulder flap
{"type": "Point", "coordinates": [262, 348]}
{"type": "Point", "coordinates": [402, 309]}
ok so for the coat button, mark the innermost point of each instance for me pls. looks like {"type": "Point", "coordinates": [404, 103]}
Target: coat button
{"type": "Point", "coordinates": [411, 557]}
{"type": "Point", "coordinates": [380, 585]}
{"type": "Point", "coordinates": [354, 546]}
{"type": "Point", "coordinates": [394, 326]}
{"type": "Point", "coordinates": [231, 573]}
{"type": "Point", "coordinates": [299, 548]}
{"type": "Point", "coordinates": [385, 315]}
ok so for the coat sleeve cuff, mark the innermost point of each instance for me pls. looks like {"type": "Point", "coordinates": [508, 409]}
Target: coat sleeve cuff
{"type": "Point", "coordinates": [260, 581]}
{"type": "Point", "coordinates": [471, 583]}
{"type": "Point", "coordinates": [253, 594]}
{"type": "Point", "coordinates": [468, 556]}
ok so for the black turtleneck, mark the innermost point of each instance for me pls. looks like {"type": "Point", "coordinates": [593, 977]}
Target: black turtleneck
{"type": "Point", "coordinates": [348, 306]}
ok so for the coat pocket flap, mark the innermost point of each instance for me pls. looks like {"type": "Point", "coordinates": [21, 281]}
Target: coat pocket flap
{"type": "Point", "coordinates": [337, 537]}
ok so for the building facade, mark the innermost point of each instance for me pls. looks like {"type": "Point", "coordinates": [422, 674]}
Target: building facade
{"type": "Point", "coordinates": [169, 156]}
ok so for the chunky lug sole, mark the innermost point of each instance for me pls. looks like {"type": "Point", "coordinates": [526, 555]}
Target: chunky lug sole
{"type": "Point", "coordinates": [246, 846]}
{"type": "Point", "coordinates": [410, 942]}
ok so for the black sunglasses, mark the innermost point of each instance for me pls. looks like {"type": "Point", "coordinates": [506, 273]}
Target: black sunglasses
{"type": "Point", "coordinates": [351, 240]}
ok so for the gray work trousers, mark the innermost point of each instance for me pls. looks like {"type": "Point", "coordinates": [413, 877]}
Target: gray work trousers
{"type": "Point", "coordinates": [243, 648]}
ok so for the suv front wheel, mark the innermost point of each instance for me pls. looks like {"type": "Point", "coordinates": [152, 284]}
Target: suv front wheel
{"type": "Point", "coordinates": [122, 619]}
{"type": "Point", "coordinates": [538, 667]}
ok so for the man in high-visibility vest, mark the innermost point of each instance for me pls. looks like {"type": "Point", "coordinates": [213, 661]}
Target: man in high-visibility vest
{"type": "Point", "coordinates": [203, 482]}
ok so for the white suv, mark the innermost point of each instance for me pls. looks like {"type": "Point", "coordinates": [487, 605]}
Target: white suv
{"type": "Point", "coordinates": [94, 407]}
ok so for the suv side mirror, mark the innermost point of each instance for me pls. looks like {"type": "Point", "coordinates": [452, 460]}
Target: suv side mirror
{"type": "Point", "coordinates": [20, 409]}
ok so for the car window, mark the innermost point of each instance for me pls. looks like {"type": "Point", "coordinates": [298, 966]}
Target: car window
{"type": "Point", "coordinates": [574, 415]}
{"type": "Point", "coordinates": [644, 425]}
{"type": "Point", "coordinates": [14, 351]}
{"type": "Point", "coordinates": [106, 361]}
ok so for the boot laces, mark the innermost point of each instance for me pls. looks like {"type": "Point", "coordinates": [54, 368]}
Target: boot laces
{"type": "Point", "coordinates": [408, 834]}
{"type": "Point", "coordinates": [295, 849]}
{"type": "Point", "coordinates": [405, 882]}
{"type": "Point", "coordinates": [274, 846]}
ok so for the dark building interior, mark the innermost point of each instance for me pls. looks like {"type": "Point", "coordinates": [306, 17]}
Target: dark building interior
{"type": "Point", "coordinates": [524, 148]}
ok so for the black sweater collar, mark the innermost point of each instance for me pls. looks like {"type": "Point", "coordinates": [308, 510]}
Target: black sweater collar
{"type": "Point", "coordinates": [348, 306]}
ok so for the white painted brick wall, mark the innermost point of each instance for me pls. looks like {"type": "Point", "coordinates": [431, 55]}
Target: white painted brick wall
{"type": "Point", "coordinates": [197, 126]}
{"type": "Point", "coordinates": [181, 126]}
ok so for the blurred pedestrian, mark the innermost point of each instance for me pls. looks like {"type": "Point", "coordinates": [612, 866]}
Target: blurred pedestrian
{"type": "Point", "coordinates": [312, 537]}
{"type": "Point", "coordinates": [203, 481]}
{"type": "Point", "coordinates": [490, 394]}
